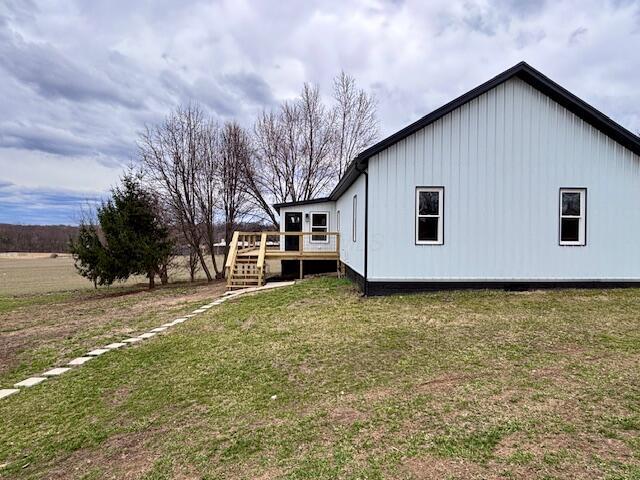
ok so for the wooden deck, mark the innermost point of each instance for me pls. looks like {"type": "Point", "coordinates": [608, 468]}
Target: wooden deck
{"type": "Point", "coordinates": [248, 251]}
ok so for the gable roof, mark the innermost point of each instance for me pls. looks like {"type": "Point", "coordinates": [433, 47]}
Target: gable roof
{"type": "Point", "coordinates": [524, 72]}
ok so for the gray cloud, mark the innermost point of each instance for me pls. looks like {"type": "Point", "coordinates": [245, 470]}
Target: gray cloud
{"type": "Point", "coordinates": [79, 80]}
{"type": "Point", "coordinates": [53, 75]}
{"type": "Point", "coordinates": [576, 34]}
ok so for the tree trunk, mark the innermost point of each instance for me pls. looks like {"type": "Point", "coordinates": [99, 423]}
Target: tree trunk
{"type": "Point", "coordinates": [152, 280]}
{"type": "Point", "coordinates": [203, 262]}
{"type": "Point", "coordinates": [164, 275]}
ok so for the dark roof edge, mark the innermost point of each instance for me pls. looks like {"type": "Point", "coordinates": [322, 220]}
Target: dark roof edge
{"type": "Point", "coordinates": [528, 74]}
{"type": "Point", "coordinates": [278, 206]}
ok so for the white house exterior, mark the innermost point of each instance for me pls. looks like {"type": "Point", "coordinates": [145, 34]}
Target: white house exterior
{"type": "Point", "coordinates": [517, 183]}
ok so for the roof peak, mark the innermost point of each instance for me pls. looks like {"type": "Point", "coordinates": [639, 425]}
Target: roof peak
{"type": "Point", "coordinates": [528, 74]}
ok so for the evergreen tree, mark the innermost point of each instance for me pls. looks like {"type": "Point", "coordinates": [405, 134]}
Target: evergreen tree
{"type": "Point", "coordinates": [89, 254]}
{"type": "Point", "coordinates": [135, 240]}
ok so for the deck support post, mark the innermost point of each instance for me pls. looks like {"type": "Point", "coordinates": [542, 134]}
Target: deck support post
{"type": "Point", "coordinates": [301, 269]}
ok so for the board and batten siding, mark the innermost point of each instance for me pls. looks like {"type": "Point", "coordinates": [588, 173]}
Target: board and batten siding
{"type": "Point", "coordinates": [323, 207]}
{"type": "Point", "coordinates": [352, 253]}
{"type": "Point", "coordinates": [502, 159]}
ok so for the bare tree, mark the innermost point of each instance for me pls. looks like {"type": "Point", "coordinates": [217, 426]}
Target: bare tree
{"type": "Point", "coordinates": [356, 120]}
{"type": "Point", "coordinates": [292, 153]}
{"type": "Point", "coordinates": [193, 265]}
{"type": "Point", "coordinates": [235, 152]}
{"type": "Point", "coordinates": [170, 153]}
{"type": "Point", "coordinates": [208, 185]}
{"type": "Point", "coordinates": [302, 149]}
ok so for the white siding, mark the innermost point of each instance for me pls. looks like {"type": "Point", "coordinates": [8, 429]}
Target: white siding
{"type": "Point", "coordinates": [324, 207]}
{"type": "Point", "coordinates": [352, 253]}
{"type": "Point", "coordinates": [502, 159]}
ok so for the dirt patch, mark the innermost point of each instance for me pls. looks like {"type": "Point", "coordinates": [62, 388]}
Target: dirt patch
{"type": "Point", "coordinates": [443, 383]}
{"type": "Point", "coordinates": [579, 451]}
{"type": "Point", "coordinates": [432, 468]}
{"type": "Point", "coordinates": [125, 456]}
{"type": "Point", "coordinates": [346, 416]}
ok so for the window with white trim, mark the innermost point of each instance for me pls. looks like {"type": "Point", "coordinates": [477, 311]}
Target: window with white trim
{"type": "Point", "coordinates": [354, 222]}
{"type": "Point", "coordinates": [429, 215]}
{"type": "Point", "coordinates": [573, 209]}
{"type": "Point", "coordinates": [319, 223]}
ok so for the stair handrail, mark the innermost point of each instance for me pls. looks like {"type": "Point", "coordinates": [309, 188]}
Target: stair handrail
{"type": "Point", "coordinates": [261, 255]}
{"type": "Point", "coordinates": [231, 257]}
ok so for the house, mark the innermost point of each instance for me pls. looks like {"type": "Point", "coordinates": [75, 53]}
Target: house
{"type": "Point", "coordinates": [516, 184]}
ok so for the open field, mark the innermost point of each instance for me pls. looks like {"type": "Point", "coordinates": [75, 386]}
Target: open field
{"type": "Point", "coordinates": [24, 274]}
{"type": "Point", "coordinates": [313, 381]}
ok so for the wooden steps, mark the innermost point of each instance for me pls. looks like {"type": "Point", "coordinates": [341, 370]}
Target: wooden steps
{"type": "Point", "coordinates": [245, 268]}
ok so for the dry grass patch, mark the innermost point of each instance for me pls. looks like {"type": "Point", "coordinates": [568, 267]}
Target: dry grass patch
{"type": "Point", "coordinates": [315, 382]}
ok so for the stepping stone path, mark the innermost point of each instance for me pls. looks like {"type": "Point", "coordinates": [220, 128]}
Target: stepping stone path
{"type": "Point", "coordinates": [79, 361]}
{"type": "Point", "coordinates": [55, 372]}
{"type": "Point", "coordinates": [133, 340]}
{"type": "Point", "coordinates": [97, 352]}
{"type": "Point", "coordinates": [30, 382]}
{"type": "Point", "coordinates": [8, 391]}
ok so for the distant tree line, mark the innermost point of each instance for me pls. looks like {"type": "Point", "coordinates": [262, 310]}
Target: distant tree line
{"type": "Point", "coordinates": [36, 238]}
{"type": "Point", "coordinates": [199, 180]}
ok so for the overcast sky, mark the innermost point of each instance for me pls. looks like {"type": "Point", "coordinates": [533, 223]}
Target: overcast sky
{"type": "Point", "coordinates": [79, 79]}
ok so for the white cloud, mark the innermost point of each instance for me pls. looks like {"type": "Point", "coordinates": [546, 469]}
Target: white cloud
{"type": "Point", "coordinates": [80, 79]}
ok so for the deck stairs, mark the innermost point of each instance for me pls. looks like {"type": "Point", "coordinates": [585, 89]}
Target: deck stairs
{"type": "Point", "coordinates": [245, 265]}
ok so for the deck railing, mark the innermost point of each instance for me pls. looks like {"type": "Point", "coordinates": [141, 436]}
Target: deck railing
{"type": "Point", "coordinates": [260, 246]}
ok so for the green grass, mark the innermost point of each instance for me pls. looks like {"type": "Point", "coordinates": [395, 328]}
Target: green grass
{"type": "Point", "coordinates": [40, 331]}
{"type": "Point", "coordinates": [458, 384]}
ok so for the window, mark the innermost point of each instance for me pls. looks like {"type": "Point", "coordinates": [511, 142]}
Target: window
{"type": "Point", "coordinates": [319, 223]}
{"type": "Point", "coordinates": [429, 218]}
{"type": "Point", "coordinates": [354, 223]}
{"type": "Point", "coordinates": [573, 208]}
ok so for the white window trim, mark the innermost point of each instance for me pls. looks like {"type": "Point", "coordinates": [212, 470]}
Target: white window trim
{"type": "Point", "coordinates": [440, 215]}
{"type": "Point", "coordinates": [326, 228]}
{"type": "Point", "coordinates": [354, 221]}
{"type": "Point", "coordinates": [582, 224]}
{"type": "Point", "coordinates": [338, 221]}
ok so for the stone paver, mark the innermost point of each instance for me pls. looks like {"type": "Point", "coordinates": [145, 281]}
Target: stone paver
{"type": "Point", "coordinates": [133, 340]}
{"type": "Point", "coordinates": [30, 382]}
{"type": "Point", "coordinates": [79, 361]}
{"type": "Point", "coordinates": [5, 392]}
{"type": "Point", "coordinates": [97, 352]}
{"type": "Point", "coordinates": [56, 372]}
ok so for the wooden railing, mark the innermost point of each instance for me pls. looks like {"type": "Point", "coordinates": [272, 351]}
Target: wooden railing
{"type": "Point", "coordinates": [258, 246]}
{"type": "Point", "coordinates": [261, 255]}
{"type": "Point", "coordinates": [231, 256]}
{"type": "Point", "coordinates": [308, 243]}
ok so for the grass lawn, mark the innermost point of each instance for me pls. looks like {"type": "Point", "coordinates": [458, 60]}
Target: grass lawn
{"type": "Point", "coordinates": [313, 381]}
{"type": "Point", "coordinates": [39, 331]}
